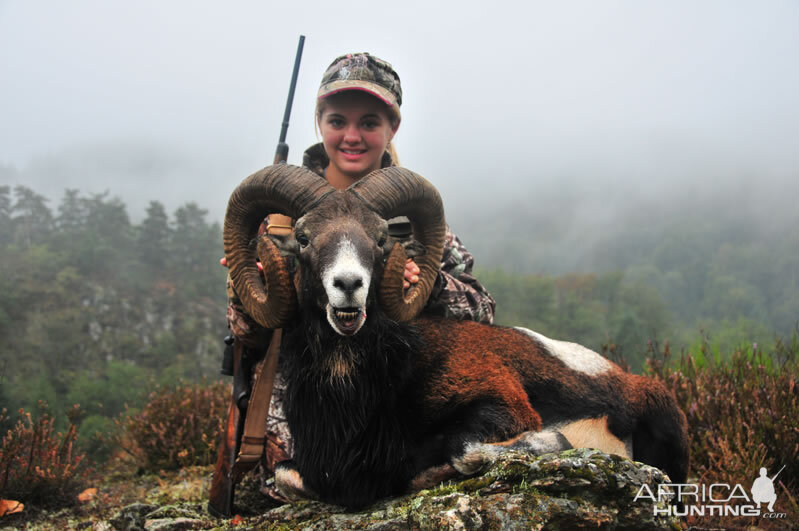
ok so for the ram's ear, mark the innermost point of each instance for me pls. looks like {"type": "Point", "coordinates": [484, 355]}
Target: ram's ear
{"type": "Point", "coordinates": [286, 244]}
{"type": "Point", "coordinates": [288, 247]}
{"type": "Point", "coordinates": [414, 248]}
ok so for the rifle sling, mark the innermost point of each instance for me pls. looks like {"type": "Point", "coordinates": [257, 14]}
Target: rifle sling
{"type": "Point", "coordinates": [254, 437]}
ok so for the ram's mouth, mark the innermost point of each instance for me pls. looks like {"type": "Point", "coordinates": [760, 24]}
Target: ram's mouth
{"type": "Point", "coordinates": [346, 321]}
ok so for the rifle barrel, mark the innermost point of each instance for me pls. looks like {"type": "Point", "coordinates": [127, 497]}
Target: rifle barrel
{"type": "Point", "coordinates": [287, 113]}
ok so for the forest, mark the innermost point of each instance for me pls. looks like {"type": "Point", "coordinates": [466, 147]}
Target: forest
{"type": "Point", "coordinates": [97, 310]}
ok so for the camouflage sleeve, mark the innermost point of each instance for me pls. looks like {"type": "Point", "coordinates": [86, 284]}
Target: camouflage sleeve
{"type": "Point", "coordinates": [457, 293]}
{"type": "Point", "coordinates": [243, 327]}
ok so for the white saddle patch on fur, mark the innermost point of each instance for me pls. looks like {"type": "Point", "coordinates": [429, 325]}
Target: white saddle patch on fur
{"type": "Point", "coordinates": [575, 356]}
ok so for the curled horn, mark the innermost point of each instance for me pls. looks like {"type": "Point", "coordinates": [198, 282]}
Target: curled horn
{"type": "Point", "coordinates": [397, 191]}
{"type": "Point", "coordinates": [283, 189]}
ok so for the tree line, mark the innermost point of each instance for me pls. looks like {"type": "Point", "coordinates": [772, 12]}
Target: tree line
{"type": "Point", "coordinates": [721, 266]}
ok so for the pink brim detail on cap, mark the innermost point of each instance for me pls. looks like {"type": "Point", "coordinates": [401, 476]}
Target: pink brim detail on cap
{"type": "Point", "coordinates": [375, 94]}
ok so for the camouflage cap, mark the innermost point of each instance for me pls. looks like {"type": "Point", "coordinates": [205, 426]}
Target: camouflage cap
{"type": "Point", "coordinates": [361, 71]}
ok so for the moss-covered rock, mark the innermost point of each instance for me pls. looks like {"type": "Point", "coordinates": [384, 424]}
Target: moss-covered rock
{"type": "Point", "coordinates": [570, 490]}
{"type": "Point", "coordinates": [573, 489]}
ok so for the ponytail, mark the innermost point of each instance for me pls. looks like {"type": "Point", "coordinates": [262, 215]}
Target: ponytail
{"type": "Point", "coordinates": [391, 150]}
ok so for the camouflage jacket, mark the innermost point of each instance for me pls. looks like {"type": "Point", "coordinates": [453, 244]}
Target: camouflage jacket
{"type": "Point", "coordinates": [456, 293]}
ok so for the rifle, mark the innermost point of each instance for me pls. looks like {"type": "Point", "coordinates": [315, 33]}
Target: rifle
{"type": "Point", "coordinates": [778, 473]}
{"type": "Point", "coordinates": [242, 444]}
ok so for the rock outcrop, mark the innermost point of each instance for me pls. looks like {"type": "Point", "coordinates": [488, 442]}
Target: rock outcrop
{"type": "Point", "coordinates": [574, 489]}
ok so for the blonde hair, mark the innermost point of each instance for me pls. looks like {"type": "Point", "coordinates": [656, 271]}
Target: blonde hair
{"type": "Point", "coordinates": [394, 118]}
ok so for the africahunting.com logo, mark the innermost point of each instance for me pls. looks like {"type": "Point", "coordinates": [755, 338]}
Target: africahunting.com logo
{"type": "Point", "coordinates": [718, 499]}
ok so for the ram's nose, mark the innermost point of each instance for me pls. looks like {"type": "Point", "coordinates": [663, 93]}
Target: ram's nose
{"type": "Point", "coordinates": [348, 283]}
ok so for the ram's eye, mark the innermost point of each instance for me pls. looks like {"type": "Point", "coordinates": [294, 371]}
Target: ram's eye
{"type": "Point", "coordinates": [302, 239]}
{"type": "Point", "coordinates": [382, 241]}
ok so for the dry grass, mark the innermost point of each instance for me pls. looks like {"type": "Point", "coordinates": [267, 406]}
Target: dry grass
{"type": "Point", "coordinates": [38, 465]}
{"type": "Point", "coordinates": [742, 415]}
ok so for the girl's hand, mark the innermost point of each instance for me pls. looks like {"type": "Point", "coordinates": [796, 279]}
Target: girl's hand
{"type": "Point", "coordinates": [411, 273]}
{"type": "Point", "coordinates": [223, 262]}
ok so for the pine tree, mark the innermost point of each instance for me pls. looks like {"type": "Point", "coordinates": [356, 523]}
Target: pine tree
{"type": "Point", "coordinates": [6, 229]}
{"type": "Point", "coordinates": [71, 213]}
{"type": "Point", "coordinates": [153, 237]}
{"type": "Point", "coordinates": [32, 220]}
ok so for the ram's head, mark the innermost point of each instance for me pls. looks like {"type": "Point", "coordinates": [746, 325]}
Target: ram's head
{"type": "Point", "coordinates": [340, 240]}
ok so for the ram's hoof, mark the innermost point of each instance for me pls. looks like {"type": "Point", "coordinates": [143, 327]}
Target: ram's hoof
{"type": "Point", "coordinates": [476, 457]}
{"type": "Point", "coordinates": [289, 482]}
{"type": "Point", "coordinates": [432, 477]}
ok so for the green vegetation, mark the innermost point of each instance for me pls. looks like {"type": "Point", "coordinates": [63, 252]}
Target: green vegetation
{"type": "Point", "coordinates": [604, 312]}
{"type": "Point", "coordinates": [624, 269]}
{"type": "Point", "coordinates": [727, 274]}
{"type": "Point", "coordinates": [177, 427]}
{"type": "Point", "coordinates": [98, 311]}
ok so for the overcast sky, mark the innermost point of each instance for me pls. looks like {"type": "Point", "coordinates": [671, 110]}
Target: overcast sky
{"type": "Point", "coordinates": [180, 100]}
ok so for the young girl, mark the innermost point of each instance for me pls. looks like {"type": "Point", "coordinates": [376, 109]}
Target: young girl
{"type": "Point", "coordinates": [357, 114]}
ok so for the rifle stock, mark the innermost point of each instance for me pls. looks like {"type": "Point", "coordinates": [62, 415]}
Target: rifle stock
{"type": "Point", "coordinates": [220, 498]}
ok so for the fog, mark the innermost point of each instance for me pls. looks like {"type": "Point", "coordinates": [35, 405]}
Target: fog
{"type": "Point", "coordinates": [577, 109]}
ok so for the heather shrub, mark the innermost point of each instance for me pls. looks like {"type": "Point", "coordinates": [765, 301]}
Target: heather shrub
{"type": "Point", "coordinates": [38, 465]}
{"type": "Point", "coordinates": [742, 415]}
{"type": "Point", "coordinates": [177, 427]}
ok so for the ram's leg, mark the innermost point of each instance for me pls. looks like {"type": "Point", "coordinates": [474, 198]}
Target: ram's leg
{"type": "Point", "coordinates": [432, 477]}
{"type": "Point", "coordinates": [660, 437]}
{"type": "Point", "coordinates": [582, 433]}
{"type": "Point", "coordinates": [473, 443]}
{"type": "Point", "coordinates": [493, 407]}
{"type": "Point", "coordinates": [290, 484]}
{"type": "Point", "coordinates": [477, 456]}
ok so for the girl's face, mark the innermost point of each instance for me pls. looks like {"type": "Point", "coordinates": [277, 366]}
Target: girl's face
{"type": "Point", "coordinates": [355, 129]}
